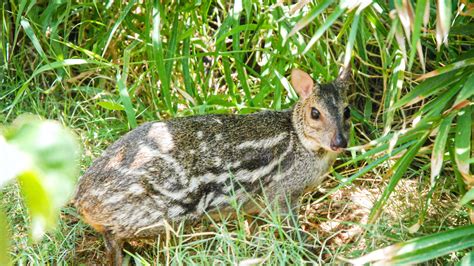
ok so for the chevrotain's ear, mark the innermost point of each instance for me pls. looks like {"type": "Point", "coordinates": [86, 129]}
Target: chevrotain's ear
{"type": "Point", "coordinates": [344, 78]}
{"type": "Point", "coordinates": [302, 83]}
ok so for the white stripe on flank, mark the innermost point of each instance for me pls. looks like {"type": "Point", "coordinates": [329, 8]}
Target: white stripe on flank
{"type": "Point", "coordinates": [263, 143]}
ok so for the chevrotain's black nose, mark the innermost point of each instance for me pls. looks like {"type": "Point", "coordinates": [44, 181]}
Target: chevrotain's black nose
{"type": "Point", "coordinates": [338, 142]}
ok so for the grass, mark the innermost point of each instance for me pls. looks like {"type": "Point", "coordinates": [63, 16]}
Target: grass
{"type": "Point", "coordinates": [102, 68]}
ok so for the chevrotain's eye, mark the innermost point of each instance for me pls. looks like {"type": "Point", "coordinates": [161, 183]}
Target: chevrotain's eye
{"type": "Point", "coordinates": [347, 113]}
{"type": "Point", "coordinates": [315, 113]}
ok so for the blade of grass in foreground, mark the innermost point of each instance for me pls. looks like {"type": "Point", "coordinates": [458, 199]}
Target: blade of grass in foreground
{"type": "Point", "coordinates": [122, 87]}
{"type": "Point", "coordinates": [421, 249]}
{"type": "Point", "coordinates": [328, 23]}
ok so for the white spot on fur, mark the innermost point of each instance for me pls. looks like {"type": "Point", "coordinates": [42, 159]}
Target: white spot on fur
{"type": "Point", "coordinates": [160, 134]}
{"type": "Point", "coordinates": [263, 143]}
{"type": "Point", "coordinates": [136, 189]}
{"type": "Point", "coordinates": [199, 135]}
{"type": "Point", "coordinates": [144, 155]}
{"type": "Point", "coordinates": [203, 147]}
{"type": "Point", "coordinates": [192, 152]}
{"type": "Point", "coordinates": [174, 211]}
{"type": "Point", "coordinates": [217, 161]}
{"type": "Point", "coordinates": [218, 137]}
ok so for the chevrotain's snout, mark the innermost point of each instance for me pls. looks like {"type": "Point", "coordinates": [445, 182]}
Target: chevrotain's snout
{"type": "Point", "coordinates": [338, 142]}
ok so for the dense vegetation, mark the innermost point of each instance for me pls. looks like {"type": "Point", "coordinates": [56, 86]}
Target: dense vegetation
{"type": "Point", "coordinates": [101, 68]}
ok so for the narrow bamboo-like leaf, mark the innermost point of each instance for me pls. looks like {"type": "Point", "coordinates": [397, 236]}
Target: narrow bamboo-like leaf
{"type": "Point", "coordinates": [117, 23]}
{"type": "Point", "coordinates": [426, 88]}
{"type": "Point", "coordinates": [468, 197]}
{"type": "Point", "coordinates": [443, 21]}
{"type": "Point", "coordinates": [448, 68]}
{"type": "Point", "coordinates": [438, 148]}
{"type": "Point", "coordinates": [462, 142]}
{"type": "Point", "coordinates": [395, 86]}
{"type": "Point", "coordinates": [364, 170]}
{"type": "Point", "coordinates": [415, 40]}
{"type": "Point", "coordinates": [467, 91]}
{"type": "Point", "coordinates": [400, 168]}
{"type": "Point", "coordinates": [312, 14]}
{"type": "Point", "coordinates": [421, 249]}
{"type": "Point", "coordinates": [328, 23]}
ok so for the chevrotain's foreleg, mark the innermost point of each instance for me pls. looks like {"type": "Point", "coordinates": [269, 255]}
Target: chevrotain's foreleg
{"type": "Point", "coordinates": [113, 248]}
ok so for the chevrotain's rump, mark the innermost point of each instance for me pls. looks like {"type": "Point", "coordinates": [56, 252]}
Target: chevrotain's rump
{"type": "Point", "coordinates": [178, 170]}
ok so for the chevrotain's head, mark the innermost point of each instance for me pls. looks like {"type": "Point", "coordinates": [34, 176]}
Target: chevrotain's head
{"type": "Point", "coordinates": [322, 116]}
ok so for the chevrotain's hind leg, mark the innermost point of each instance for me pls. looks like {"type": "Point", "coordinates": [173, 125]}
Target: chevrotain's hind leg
{"type": "Point", "coordinates": [113, 248]}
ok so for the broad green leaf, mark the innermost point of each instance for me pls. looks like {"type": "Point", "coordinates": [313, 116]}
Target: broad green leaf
{"type": "Point", "coordinates": [462, 141]}
{"type": "Point", "coordinates": [48, 182]}
{"type": "Point", "coordinates": [421, 249]}
{"type": "Point", "coordinates": [111, 106]}
{"type": "Point", "coordinates": [13, 161]}
{"type": "Point", "coordinates": [468, 197]}
{"type": "Point", "coordinates": [38, 202]}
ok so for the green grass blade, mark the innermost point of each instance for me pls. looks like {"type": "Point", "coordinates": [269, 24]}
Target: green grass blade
{"type": "Point", "coordinates": [34, 40]}
{"type": "Point", "coordinates": [122, 87]}
{"type": "Point", "coordinates": [159, 56]}
{"type": "Point", "coordinates": [320, 31]}
{"type": "Point", "coordinates": [312, 14]}
{"type": "Point", "coordinates": [352, 38]}
{"type": "Point", "coordinates": [117, 23]}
